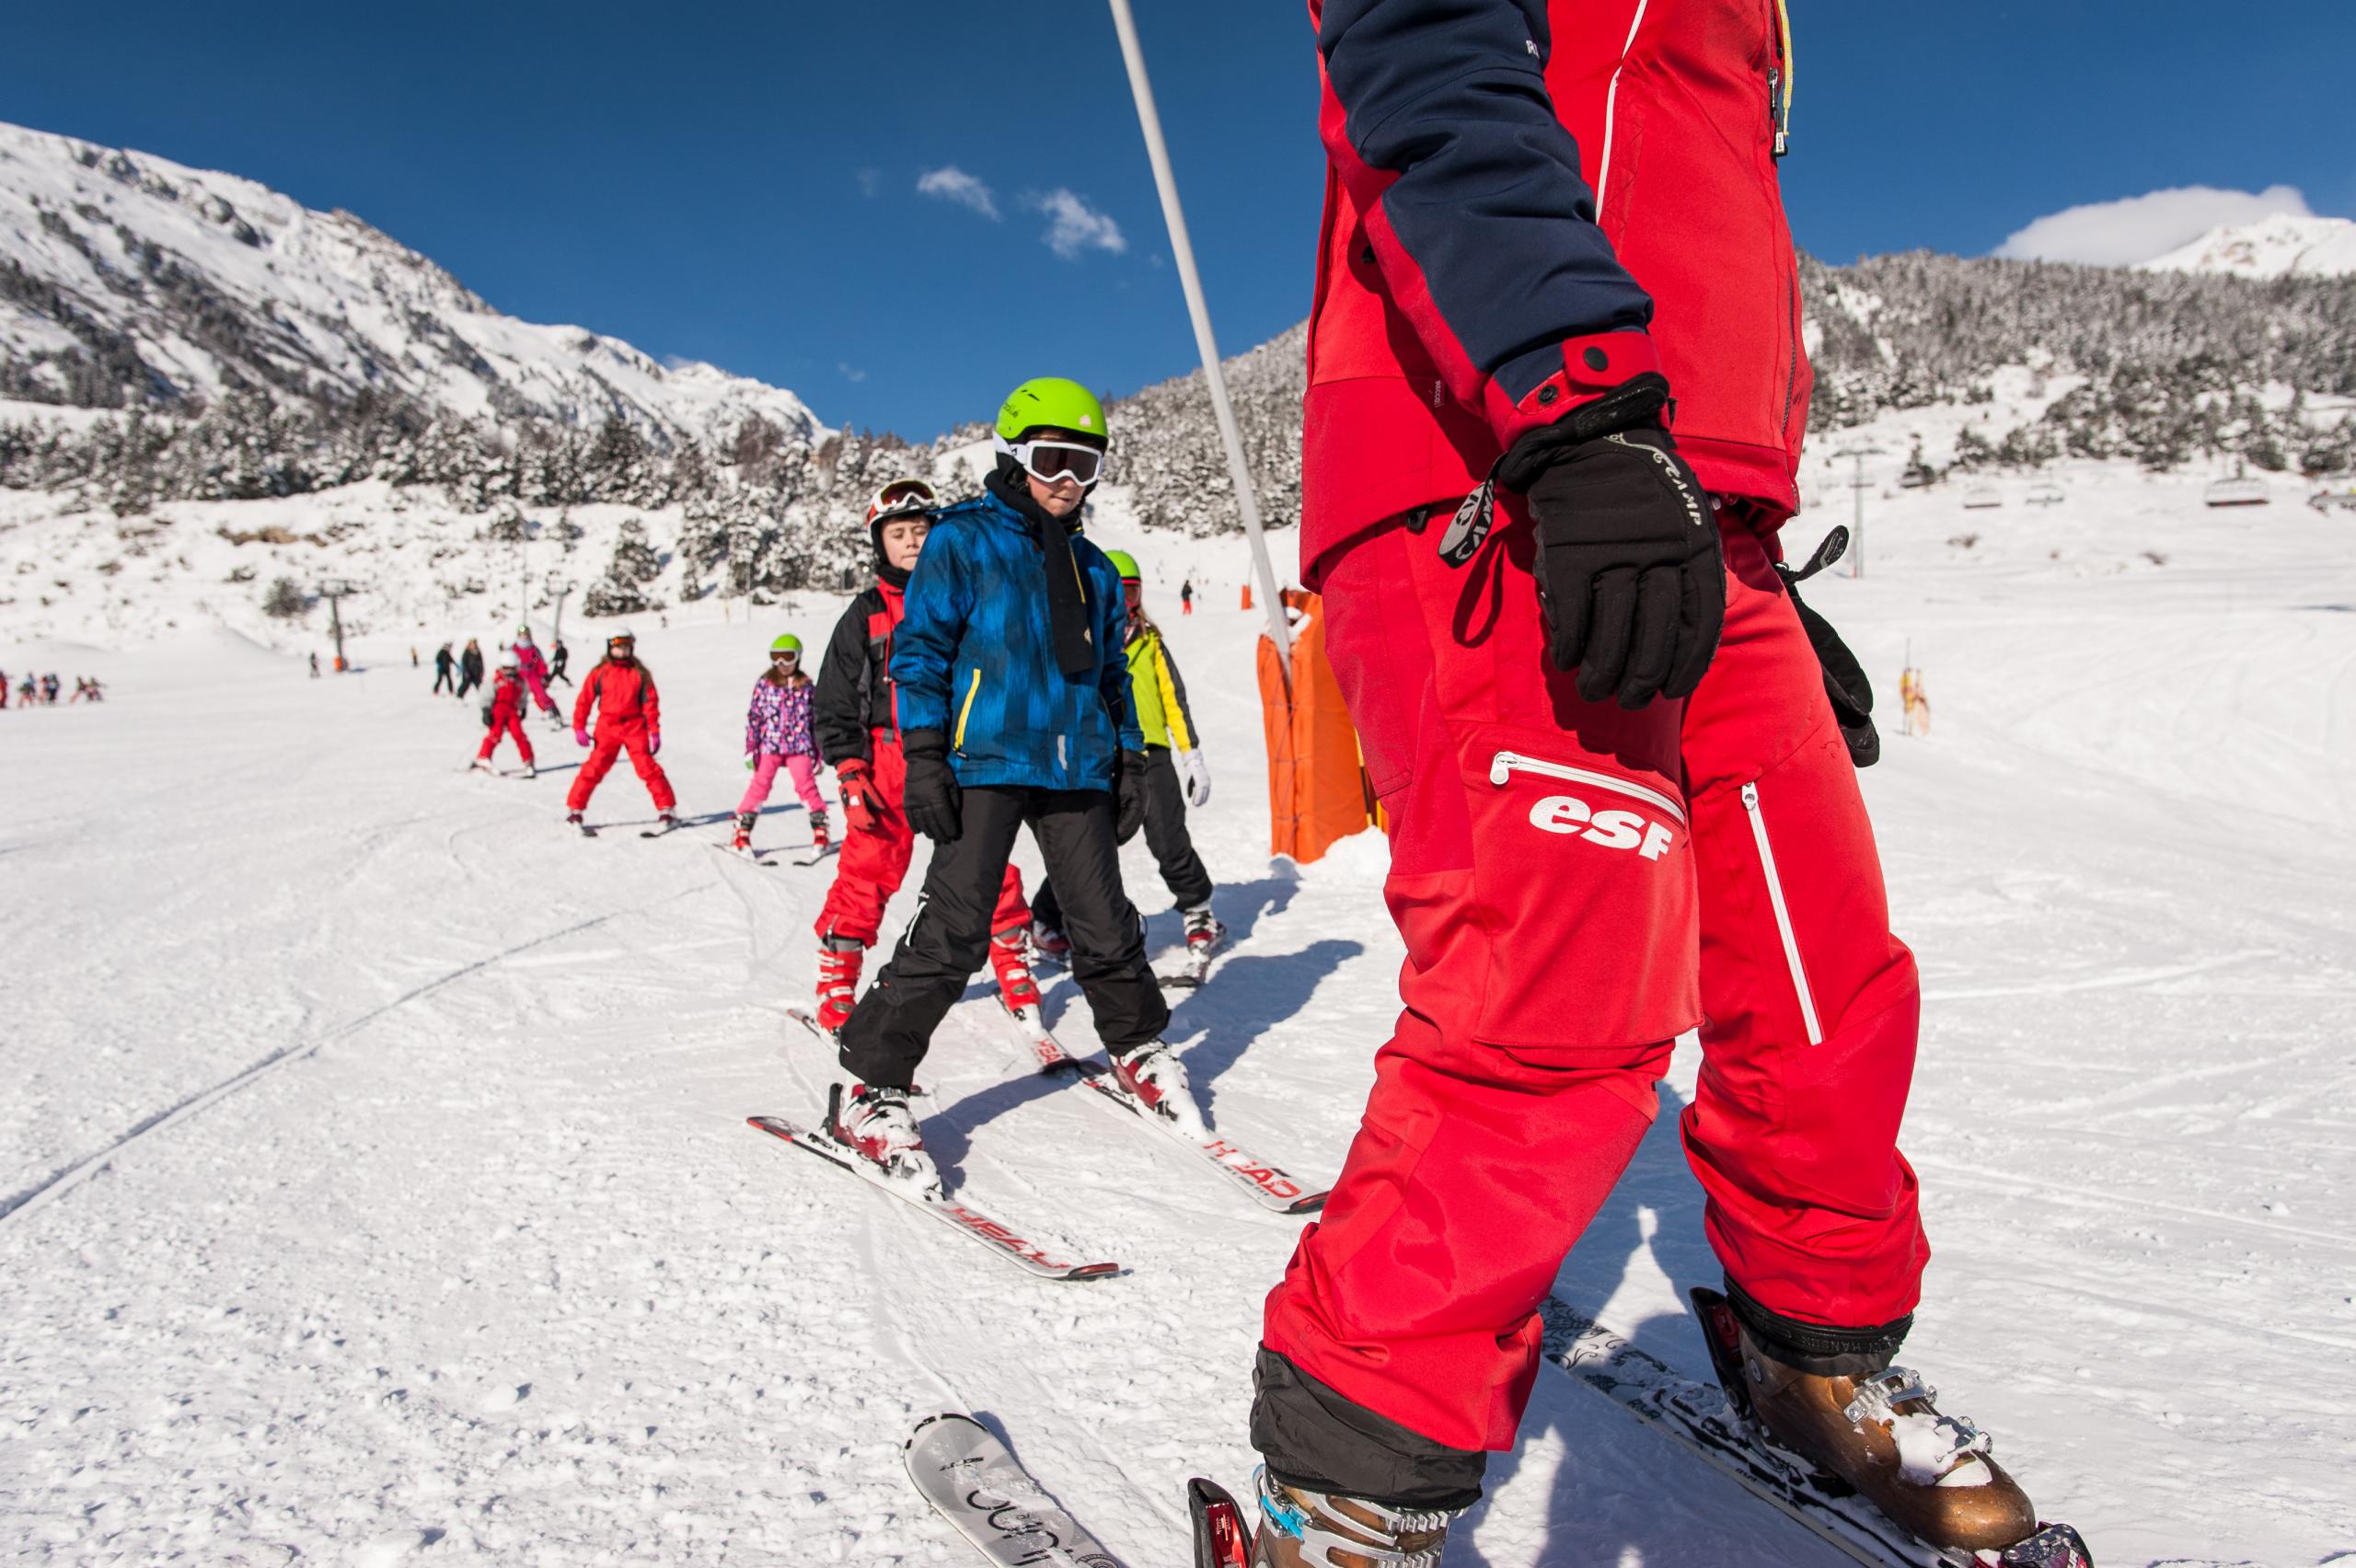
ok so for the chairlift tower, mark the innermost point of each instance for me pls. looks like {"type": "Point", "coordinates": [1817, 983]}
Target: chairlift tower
{"type": "Point", "coordinates": [1857, 488]}
{"type": "Point", "coordinates": [333, 591]}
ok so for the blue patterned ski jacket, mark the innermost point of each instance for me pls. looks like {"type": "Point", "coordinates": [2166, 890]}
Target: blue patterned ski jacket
{"type": "Point", "coordinates": [975, 656]}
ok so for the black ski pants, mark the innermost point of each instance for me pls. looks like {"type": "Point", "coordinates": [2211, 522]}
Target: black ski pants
{"type": "Point", "coordinates": [892, 1027]}
{"type": "Point", "coordinates": [1165, 834]}
{"type": "Point", "coordinates": [444, 679]}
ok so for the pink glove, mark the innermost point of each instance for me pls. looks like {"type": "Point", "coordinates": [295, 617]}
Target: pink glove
{"type": "Point", "coordinates": [582, 736]}
{"type": "Point", "coordinates": [655, 746]}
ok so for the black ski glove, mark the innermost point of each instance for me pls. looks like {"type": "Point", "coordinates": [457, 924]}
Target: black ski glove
{"type": "Point", "coordinates": [1631, 580]}
{"type": "Point", "coordinates": [933, 802]}
{"type": "Point", "coordinates": [1129, 796]}
{"type": "Point", "coordinates": [1846, 686]}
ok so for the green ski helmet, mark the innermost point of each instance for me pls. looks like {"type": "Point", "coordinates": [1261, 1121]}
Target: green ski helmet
{"type": "Point", "coordinates": [789, 643]}
{"type": "Point", "coordinates": [1125, 564]}
{"type": "Point", "coordinates": [1049, 402]}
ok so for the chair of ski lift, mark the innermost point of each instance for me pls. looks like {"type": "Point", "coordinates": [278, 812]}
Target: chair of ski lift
{"type": "Point", "coordinates": [2240, 490]}
{"type": "Point", "coordinates": [2045, 495]}
{"type": "Point", "coordinates": [1985, 498]}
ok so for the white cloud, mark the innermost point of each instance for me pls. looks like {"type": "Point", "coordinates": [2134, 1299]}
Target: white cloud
{"type": "Point", "coordinates": [1074, 227]}
{"type": "Point", "coordinates": [870, 182]}
{"type": "Point", "coordinates": [2137, 228]}
{"type": "Point", "coordinates": [953, 184]}
{"type": "Point", "coordinates": [850, 372]}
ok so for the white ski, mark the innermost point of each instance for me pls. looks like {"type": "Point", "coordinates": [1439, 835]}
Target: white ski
{"type": "Point", "coordinates": [1265, 1184]}
{"type": "Point", "coordinates": [985, 1494]}
{"type": "Point", "coordinates": [958, 1215]}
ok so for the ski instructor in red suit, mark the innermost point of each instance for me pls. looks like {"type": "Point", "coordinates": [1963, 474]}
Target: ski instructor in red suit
{"type": "Point", "coordinates": [1554, 278]}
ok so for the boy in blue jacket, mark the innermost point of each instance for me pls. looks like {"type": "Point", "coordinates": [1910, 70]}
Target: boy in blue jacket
{"type": "Point", "coordinates": [1014, 710]}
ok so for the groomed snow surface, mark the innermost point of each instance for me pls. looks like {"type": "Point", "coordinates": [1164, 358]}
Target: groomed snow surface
{"type": "Point", "coordinates": [378, 1190]}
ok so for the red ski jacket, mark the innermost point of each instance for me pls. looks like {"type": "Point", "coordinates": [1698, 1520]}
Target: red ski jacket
{"type": "Point", "coordinates": [1528, 203]}
{"type": "Point", "coordinates": [626, 694]}
{"type": "Point", "coordinates": [506, 698]}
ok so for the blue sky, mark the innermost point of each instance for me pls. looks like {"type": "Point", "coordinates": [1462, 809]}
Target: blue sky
{"type": "Point", "coordinates": [740, 183]}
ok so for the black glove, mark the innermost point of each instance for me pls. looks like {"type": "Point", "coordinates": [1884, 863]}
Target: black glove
{"type": "Point", "coordinates": [933, 802]}
{"type": "Point", "coordinates": [1129, 796]}
{"type": "Point", "coordinates": [1631, 580]}
{"type": "Point", "coordinates": [1850, 693]}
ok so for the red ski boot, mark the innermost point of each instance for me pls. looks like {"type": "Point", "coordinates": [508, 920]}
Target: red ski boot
{"type": "Point", "coordinates": [818, 839]}
{"type": "Point", "coordinates": [1009, 959]}
{"type": "Point", "coordinates": [838, 965]}
{"type": "Point", "coordinates": [743, 842]}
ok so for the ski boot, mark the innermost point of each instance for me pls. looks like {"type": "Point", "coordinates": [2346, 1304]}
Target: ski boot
{"type": "Point", "coordinates": [1049, 942]}
{"type": "Point", "coordinates": [877, 1126]}
{"type": "Point", "coordinates": [531, 770]}
{"type": "Point", "coordinates": [1154, 1075]}
{"type": "Point", "coordinates": [481, 765]}
{"type": "Point", "coordinates": [1016, 988]}
{"type": "Point", "coordinates": [743, 842]}
{"type": "Point", "coordinates": [574, 819]}
{"type": "Point", "coordinates": [666, 822]}
{"type": "Point", "coordinates": [839, 959]}
{"type": "Point", "coordinates": [818, 839]}
{"type": "Point", "coordinates": [1300, 1529]}
{"type": "Point", "coordinates": [1881, 1433]}
{"type": "Point", "coordinates": [1205, 932]}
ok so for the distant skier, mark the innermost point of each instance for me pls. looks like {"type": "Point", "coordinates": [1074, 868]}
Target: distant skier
{"type": "Point", "coordinates": [504, 715]}
{"type": "Point", "coordinates": [534, 667]}
{"type": "Point", "coordinates": [27, 692]}
{"type": "Point", "coordinates": [469, 668]}
{"type": "Point", "coordinates": [412, 656]}
{"type": "Point", "coordinates": [621, 692]}
{"type": "Point", "coordinates": [314, 666]}
{"type": "Point", "coordinates": [1014, 710]}
{"type": "Point", "coordinates": [1620, 803]}
{"type": "Point", "coordinates": [1186, 597]}
{"type": "Point", "coordinates": [445, 670]}
{"type": "Point", "coordinates": [1916, 701]}
{"type": "Point", "coordinates": [50, 687]}
{"type": "Point", "coordinates": [852, 714]}
{"type": "Point", "coordinates": [558, 659]}
{"type": "Point", "coordinates": [1157, 697]}
{"type": "Point", "coordinates": [776, 733]}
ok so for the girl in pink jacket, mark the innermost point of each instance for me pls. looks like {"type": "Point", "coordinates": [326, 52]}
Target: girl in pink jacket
{"type": "Point", "coordinates": [776, 733]}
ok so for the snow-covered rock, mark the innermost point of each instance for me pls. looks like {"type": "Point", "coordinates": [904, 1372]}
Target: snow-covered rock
{"type": "Point", "coordinates": [2283, 246]}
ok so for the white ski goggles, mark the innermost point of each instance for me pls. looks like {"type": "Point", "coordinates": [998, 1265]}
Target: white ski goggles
{"type": "Point", "coordinates": [1047, 460]}
{"type": "Point", "coordinates": [902, 497]}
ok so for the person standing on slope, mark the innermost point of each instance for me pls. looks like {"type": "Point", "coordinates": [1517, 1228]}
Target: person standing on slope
{"type": "Point", "coordinates": [854, 716]}
{"type": "Point", "coordinates": [1513, 308]}
{"type": "Point", "coordinates": [1186, 597]}
{"type": "Point", "coordinates": [533, 665]}
{"type": "Point", "coordinates": [557, 661]}
{"type": "Point", "coordinates": [445, 671]}
{"type": "Point", "coordinates": [1014, 710]}
{"type": "Point", "coordinates": [776, 733]}
{"type": "Point", "coordinates": [1158, 697]}
{"type": "Point", "coordinates": [469, 668]}
{"type": "Point", "coordinates": [504, 714]}
{"type": "Point", "coordinates": [629, 719]}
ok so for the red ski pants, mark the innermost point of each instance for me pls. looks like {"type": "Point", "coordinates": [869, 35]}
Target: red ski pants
{"type": "Point", "coordinates": [513, 724]}
{"type": "Point", "coordinates": [611, 742]}
{"type": "Point", "coordinates": [1576, 886]}
{"type": "Point", "coordinates": [874, 865]}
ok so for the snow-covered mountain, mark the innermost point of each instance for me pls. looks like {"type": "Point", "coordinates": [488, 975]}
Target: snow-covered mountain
{"type": "Point", "coordinates": [2278, 246]}
{"type": "Point", "coordinates": [128, 280]}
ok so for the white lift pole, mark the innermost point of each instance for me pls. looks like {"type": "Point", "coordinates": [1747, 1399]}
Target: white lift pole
{"type": "Point", "coordinates": [1204, 344]}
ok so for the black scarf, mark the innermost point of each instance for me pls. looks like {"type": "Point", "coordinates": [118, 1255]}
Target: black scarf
{"type": "Point", "coordinates": [1066, 592]}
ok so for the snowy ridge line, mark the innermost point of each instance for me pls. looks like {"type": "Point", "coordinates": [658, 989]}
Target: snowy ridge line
{"type": "Point", "coordinates": [65, 1178]}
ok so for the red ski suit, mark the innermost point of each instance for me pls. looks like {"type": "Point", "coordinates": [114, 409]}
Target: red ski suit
{"type": "Point", "coordinates": [629, 718]}
{"type": "Point", "coordinates": [1576, 885]}
{"type": "Point", "coordinates": [507, 718]}
{"type": "Point", "coordinates": [875, 864]}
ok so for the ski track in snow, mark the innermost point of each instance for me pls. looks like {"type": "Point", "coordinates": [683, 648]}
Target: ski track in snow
{"type": "Point", "coordinates": [380, 1191]}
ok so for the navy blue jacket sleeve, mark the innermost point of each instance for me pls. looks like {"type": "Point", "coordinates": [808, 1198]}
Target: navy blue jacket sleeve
{"type": "Point", "coordinates": [1438, 123]}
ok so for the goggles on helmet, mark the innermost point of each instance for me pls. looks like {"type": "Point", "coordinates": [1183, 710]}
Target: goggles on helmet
{"type": "Point", "coordinates": [784, 656]}
{"type": "Point", "coordinates": [900, 498]}
{"type": "Point", "coordinates": [1047, 461]}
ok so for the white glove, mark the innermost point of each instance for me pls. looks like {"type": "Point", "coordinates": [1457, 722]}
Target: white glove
{"type": "Point", "coordinates": [1197, 776]}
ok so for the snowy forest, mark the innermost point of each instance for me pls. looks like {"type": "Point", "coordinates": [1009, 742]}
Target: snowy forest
{"type": "Point", "coordinates": [2164, 368]}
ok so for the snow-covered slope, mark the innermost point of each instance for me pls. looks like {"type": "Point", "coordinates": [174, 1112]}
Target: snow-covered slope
{"type": "Point", "coordinates": [2282, 246]}
{"type": "Point", "coordinates": [127, 277]}
{"type": "Point", "coordinates": [487, 1269]}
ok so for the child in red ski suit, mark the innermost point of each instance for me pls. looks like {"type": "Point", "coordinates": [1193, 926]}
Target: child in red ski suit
{"type": "Point", "coordinates": [621, 692]}
{"type": "Point", "coordinates": [776, 733]}
{"type": "Point", "coordinates": [534, 666]}
{"type": "Point", "coordinates": [859, 735]}
{"type": "Point", "coordinates": [506, 717]}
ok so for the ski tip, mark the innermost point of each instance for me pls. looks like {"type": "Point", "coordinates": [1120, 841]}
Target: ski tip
{"type": "Point", "coordinates": [956, 1417]}
{"type": "Point", "coordinates": [1222, 1540]}
{"type": "Point", "coordinates": [1310, 1203]}
{"type": "Point", "coordinates": [1092, 1271]}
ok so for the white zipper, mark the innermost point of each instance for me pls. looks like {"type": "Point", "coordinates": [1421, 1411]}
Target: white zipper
{"type": "Point", "coordinates": [1506, 763]}
{"type": "Point", "coordinates": [1611, 108]}
{"type": "Point", "coordinates": [1783, 914]}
